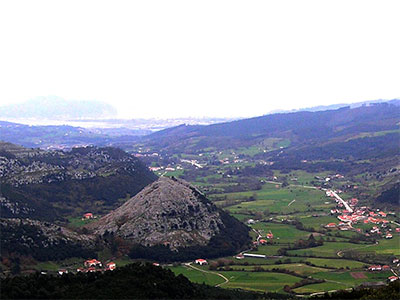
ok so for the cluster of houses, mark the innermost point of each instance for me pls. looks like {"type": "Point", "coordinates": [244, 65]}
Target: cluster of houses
{"type": "Point", "coordinates": [378, 268]}
{"type": "Point", "coordinates": [375, 268]}
{"type": "Point", "coordinates": [92, 265]}
{"type": "Point", "coordinates": [352, 215]}
{"type": "Point", "coordinates": [269, 236]}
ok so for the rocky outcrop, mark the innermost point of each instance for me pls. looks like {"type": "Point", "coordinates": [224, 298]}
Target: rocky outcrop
{"type": "Point", "coordinates": [170, 211]}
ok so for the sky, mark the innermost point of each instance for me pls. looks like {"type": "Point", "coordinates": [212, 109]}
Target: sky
{"type": "Point", "coordinates": [200, 58]}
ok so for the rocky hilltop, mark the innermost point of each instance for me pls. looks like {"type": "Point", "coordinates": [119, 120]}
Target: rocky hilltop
{"type": "Point", "coordinates": [168, 212]}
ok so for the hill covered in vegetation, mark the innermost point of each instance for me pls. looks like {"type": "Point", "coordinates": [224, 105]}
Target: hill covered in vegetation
{"type": "Point", "coordinates": [50, 185]}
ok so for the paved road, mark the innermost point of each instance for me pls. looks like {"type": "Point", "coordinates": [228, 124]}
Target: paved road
{"type": "Point", "coordinates": [341, 200]}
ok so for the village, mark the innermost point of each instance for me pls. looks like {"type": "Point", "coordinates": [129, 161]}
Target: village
{"type": "Point", "coordinates": [92, 265]}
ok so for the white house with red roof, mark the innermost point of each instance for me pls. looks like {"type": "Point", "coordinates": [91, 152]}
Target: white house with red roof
{"type": "Point", "coordinates": [200, 261]}
{"type": "Point", "coordinates": [389, 236]}
{"type": "Point", "coordinates": [393, 278]}
{"type": "Point", "coordinates": [62, 271]}
{"type": "Point", "coordinates": [88, 216]}
{"type": "Point", "coordinates": [111, 266]}
{"type": "Point", "coordinates": [375, 268]}
{"type": "Point", "coordinates": [93, 263]}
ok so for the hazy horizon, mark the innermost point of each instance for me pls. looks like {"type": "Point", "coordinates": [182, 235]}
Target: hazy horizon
{"type": "Point", "coordinates": [171, 59]}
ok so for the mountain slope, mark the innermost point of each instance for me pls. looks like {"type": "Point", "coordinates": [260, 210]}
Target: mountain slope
{"type": "Point", "coordinates": [55, 184]}
{"type": "Point", "coordinates": [298, 127]}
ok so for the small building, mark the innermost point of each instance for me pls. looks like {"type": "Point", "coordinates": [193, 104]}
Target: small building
{"type": "Point", "coordinates": [330, 225]}
{"type": "Point", "coordinates": [111, 266]}
{"type": "Point", "coordinates": [201, 261]}
{"type": "Point", "coordinates": [239, 256]}
{"type": "Point", "coordinates": [396, 260]}
{"type": "Point", "coordinates": [62, 271]}
{"type": "Point", "coordinates": [92, 263]}
{"type": "Point", "coordinates": [262, 241]}
{"type": "Point", "coordinates": [393, 278]}
{"type": "Point", "coordinates": [389, 236]}
{"type": "Point", "coordinates": [80, 270]}
{"type": "Point", "coordinates": [398, 229]}
{"type": "Point", "coordinates": [88, 216]}
{"type": "Point", "coordinates": [270, 236]}
{"type": "Point", "coordinates": [251, 221]}
{"type": "Point", "coordinates": [254, 255]}
{"type": "Point", "coordinates": [375, 268]}
{"type": "Point", "coordinates": [156, 264]}
{"type": "Point", "coordinates": [385, 268]}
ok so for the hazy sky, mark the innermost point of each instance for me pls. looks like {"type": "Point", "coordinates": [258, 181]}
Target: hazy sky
{"type": "Point", "coordinates": [200, 58]}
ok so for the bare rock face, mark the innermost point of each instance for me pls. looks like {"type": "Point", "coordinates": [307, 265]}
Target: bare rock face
{"type": "Point", "coordinates": [169, 211]}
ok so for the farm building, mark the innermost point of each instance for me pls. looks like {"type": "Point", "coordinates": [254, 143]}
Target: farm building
{"type": "Point", "coordinates": [200, 261]}
{"type": "Point", "coordinates": [92, 263]}
{"type": "Point", "coordinates": [88, 216]}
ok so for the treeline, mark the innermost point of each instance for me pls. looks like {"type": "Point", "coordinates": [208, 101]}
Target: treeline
{"type": "Point", "coordinates": [232, 238]}
{"type": "Point", "coordinates": [135, 281]}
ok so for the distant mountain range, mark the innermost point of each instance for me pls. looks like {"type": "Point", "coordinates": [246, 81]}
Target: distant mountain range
{"type": "Point", "coordinates": [302, 127]}
{"type": "Point", "coordinates": [53, 107]}
{"type": "Point", "coordinates": [336, 106]}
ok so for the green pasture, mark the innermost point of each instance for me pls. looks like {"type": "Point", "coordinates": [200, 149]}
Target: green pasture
{"type": "Point", "coordinates": [320, 287]}
{"type": "Point", "coordinates": [347, 279]}
{"type": "Point", "coordinates": [335, 263]}
{"type": "Point", "coordinates": [283, 233]}
{"type": "Point", "coordinates": [259, 281]}
{"type": "Point", "coordinates": [328, 249]}
{"type": "Point", "coordinates": [279, 200]}
{"type": "Point", "coordinates": [385, 246]}
{"type": "Point", "coordinates": [197, 276]}
{"type": "Point", "coordinates": [298, 268]}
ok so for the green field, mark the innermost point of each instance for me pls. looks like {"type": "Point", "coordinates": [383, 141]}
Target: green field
{"type": "Point", "coordinates": [283, 233]}
{"type": "Point", "coordinates": [280, 200]}
{"type": "Point", "coordinates": [390, 246]}
{"type": "Point", "coordinates": [328, 249]}
{"type": "Point", "coordinates": [259, 281]}
{"type": "Point", "coordinates": [198, 276]}
{"type": "Point", "coordinates": [336, 263]}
